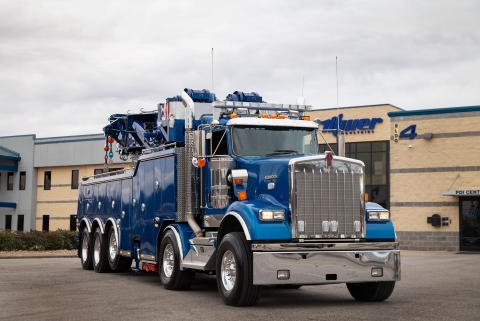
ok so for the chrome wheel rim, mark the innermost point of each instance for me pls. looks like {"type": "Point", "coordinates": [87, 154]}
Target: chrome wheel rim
{"type": "Point", "coordinates": [228, 270]}
{"type": "Point", "coordinates": [112, 247]}
{"type": "Point", "coordinates": [168, 260]}
{"type": "Point", "coordinates": [84, 247]}
{"type": "Point", "coordinates": [96, 249]}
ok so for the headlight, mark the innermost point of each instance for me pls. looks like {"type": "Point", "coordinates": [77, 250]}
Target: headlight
{"type": "Point", "coordinates": [272, 215]}
{"type": "Point", "coordinates": [378, 216]}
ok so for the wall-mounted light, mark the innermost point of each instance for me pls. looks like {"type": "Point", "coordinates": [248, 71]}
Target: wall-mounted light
{"type": "Point", "coordinates": [428, 136]}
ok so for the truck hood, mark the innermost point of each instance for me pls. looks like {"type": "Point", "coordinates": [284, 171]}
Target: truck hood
{"type": "Point", "coordinates": [267, 175]}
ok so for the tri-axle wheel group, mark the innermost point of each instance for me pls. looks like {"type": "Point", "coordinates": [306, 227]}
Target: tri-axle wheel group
{"type": "Point", "coordinates": [234, 267]}
{"type": "Point", "coordinates": [99, 252]}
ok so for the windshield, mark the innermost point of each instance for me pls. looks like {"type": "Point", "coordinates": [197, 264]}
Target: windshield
{"type": "Point", "coordinates": [273, 141]}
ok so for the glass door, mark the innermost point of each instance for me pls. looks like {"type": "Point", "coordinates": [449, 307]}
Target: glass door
{"type": "Point", "coordinates": [470, 224]}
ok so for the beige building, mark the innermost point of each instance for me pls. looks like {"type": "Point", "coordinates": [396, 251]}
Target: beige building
{"type": "Point", "coordinates": [57, 194]}
{"type": "Point", "coordinates": [39, 178]}
{"type": "Point", "coordinates": [435, 178]}
{"type": "Point", "coordinates": [424, 166]}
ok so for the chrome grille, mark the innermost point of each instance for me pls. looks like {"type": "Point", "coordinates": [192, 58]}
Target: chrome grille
{"type": "Point", "coordinates": [326, 202]}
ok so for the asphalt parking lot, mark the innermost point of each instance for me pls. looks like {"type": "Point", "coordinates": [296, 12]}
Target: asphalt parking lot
{"type": "Point", "coordinates": [434, 286]}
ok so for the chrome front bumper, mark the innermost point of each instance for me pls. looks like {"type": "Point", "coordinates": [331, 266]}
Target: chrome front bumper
{"type": "Point", "coordinates": [325, 263]}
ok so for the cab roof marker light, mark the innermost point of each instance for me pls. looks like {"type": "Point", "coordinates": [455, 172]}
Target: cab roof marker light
{"type": "Point", "coordinates": [255, 105]}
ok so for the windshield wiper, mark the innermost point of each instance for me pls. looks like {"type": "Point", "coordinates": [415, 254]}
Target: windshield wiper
{"type": "Point", "coordinates": [282, 152]}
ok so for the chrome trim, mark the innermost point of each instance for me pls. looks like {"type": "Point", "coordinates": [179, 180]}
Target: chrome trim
{"type": "Point", "coordinates": [314, 267]}
{"type": "Point", "coordinates": [88, 224]}
{"type": "Point", "coordinates": [202, 249]}
{"type": "Point", "coordinates": [213, 220]}
{"type": "Point", "coordinates": [289, 247]}
{"type": "Point", "coordinates": [100, 224]}
{"type": "Point", "coordinates": [310, 178]}
{"type": "Point", "coordinates": [242, 223]}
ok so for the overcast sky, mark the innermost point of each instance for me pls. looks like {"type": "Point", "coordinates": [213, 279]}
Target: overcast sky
{"type": "Point", "coordinates": [65, 66]}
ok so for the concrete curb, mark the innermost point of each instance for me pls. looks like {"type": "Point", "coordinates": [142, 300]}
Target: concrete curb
{"type": "Point", "coordinates": [39, 255]}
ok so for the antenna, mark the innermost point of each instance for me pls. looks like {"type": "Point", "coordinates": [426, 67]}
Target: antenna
{"type": "Point", "coordinates": [340, 137]}
{"type": "Point", "coordinates": [336, 72]}
{"type": "Point", "coordinates": [301, 99]}
{"type": "Point", "coordinates": [303, 85]}
{"type": "Point", "coordinates": [213, 88]}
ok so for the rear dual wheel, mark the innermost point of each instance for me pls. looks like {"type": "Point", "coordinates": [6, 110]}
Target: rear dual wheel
{"type": "Point", "coordinates": [116, 262]}
{"type": "Point", "coordinates": [86, 250]}
{"type": "Point", "coordinates": [169, 265]}
{"type": "Point", "coordinates": [100, 259]}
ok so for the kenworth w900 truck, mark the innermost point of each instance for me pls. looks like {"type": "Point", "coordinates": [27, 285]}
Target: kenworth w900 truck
{"type": "Point", "coordinates": [235, 188]}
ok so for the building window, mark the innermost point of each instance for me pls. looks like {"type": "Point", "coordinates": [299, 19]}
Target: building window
{"type": "Point", "coordinates": [10, 181]}
{"type": "Point", "coordinates": [23, 179]}
{"type": "Point", "coordinates": [46, 223]}
{"type": "Point", "coordinates": [8, 222]}
{"type": "Point", "coordinates": [73, 222]}
{"type": "Point", "coordinates": [20, 221]}
{"type": "Point", "coordinates": [97, 171]}
{"type": "Point", "coordinates": [75, 179]}
{"type": "Point", "coordinates": [47, 180]}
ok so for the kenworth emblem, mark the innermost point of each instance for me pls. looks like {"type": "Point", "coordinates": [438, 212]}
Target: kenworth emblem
{"type": "Point", "coordinates": [271, 177]}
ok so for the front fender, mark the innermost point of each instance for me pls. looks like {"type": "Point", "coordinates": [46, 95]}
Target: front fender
{"type": "Point", "coordinates": [260, 230]}
{"type": "Point", "coordinates": [378, 230]}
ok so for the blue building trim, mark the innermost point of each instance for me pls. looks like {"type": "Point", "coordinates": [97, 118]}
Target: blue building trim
{"type": "Point", "coordinates": [436, 111]}
{"type": "Point", "coordinates": [11, 159]}
{"type": "Point", "coordinates": [352, 107]}
{"type": "Point", "coordinates": [8, 204]}
{"type": "Point", "coordinates": [69, 141]}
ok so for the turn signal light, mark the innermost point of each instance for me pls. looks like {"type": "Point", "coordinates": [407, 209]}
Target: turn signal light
{"type": "Point", "coordinates": [238, 181]}
{"type": "Point", "coordinates": [366, 197]}
{"type": "Point", "coordinates": [306, 117]}
{"type": "Point", "coordinates": [242, 196]}
{"type": "Point", "coordinates": [273, 116]}
{"type": "Point", "coordinates": [201, 162]}
{"type": "Point", "coordinates": [281, 116]}
{"type": "Point", "coordinates": [233, 115]}
{"type": "Point", "coordinates": [264, 116]}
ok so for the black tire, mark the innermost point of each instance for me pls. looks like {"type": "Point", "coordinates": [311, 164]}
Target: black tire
{"type": "Point", "coordinates": [289, 286]}
{"type": "Point", "coordinates": [235, 271]}
{"type": "Point", "coordinates": [117, 262]}
{"type": "Point", "coordinates": [86, 249]}
{"type": "Point", "coordinates": [371, 291]}
{"type": "Point", "coordinates": [100, 257]}
{"type": "Point", "coordinates": [169, 265]}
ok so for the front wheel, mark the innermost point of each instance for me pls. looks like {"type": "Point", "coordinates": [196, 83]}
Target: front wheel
{"type": "Point", "coordinates": [371, 291]}
{"type": "Point", "coordinates": [169, 265]}
{"type": "Point", "coordinates": [235, 271]}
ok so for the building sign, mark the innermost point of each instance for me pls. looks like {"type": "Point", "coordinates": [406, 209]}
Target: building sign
{"type": "Point", "coordinates": [351, 126]}
{"type": "Point", "coordinates": [461, 192]}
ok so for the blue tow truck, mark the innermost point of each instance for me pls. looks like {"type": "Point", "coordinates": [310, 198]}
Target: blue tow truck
{"type": "Point", "coordinates": [235, 189]}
